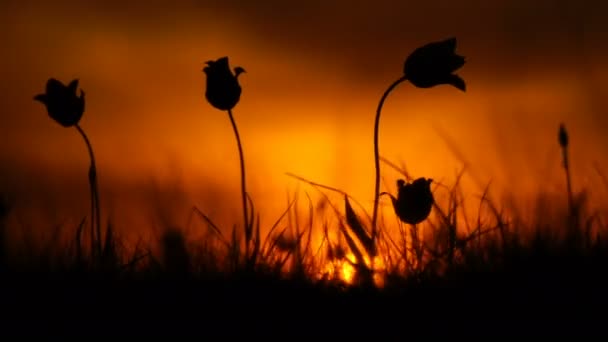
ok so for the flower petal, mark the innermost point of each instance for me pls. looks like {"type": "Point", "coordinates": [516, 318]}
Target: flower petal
{"type": "Point", "coordinates": [80, 107]}
{"type": "Point", "coordinates": [73, 86]}
{"type": "Point", "coordinates": [221, 63]}
{"type": "Point", "coordinates": [223, 90]}
{"type": "Point", "coordinates": [449, 44]}
{"type": "Point", "coordinates": [54, 87]}
{"type": "Point", "coordinates": [456, 81]}
{"type": "Point", "coordinates": [41, 98]}
{"type": "Point", "coordinates": [454, 63]}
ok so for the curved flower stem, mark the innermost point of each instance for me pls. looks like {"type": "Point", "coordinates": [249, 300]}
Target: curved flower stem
{"type": "Point", "coordinates": [377, 154]}
{"type": "Point", "coordinates": [243, 188]}
{"type": "Point", "coordinates": [95, 215]}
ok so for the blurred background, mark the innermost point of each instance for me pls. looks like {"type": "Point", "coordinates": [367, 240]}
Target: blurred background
{"type": "Point", "coordinates": [315, 73]}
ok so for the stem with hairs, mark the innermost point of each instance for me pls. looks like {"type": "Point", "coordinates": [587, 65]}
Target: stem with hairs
{"type": "Point", "coordinates": [377, 153]}
{"type": "Point", "coordinates": [243, 187]}
{"type": "Point", "coordinates": [95, 214]}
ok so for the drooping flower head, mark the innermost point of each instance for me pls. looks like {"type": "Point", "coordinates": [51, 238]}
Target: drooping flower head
{"type": "Point", "coordinates": [434, 64]}
{"type": "Point", "coordinates": [414, 200]}
{"type": "Point", "coordinates": [562, 136]}
{"type": "Point", "coordinates": [223, 90]}
{"type": "Point", "coordinates": [62, 103]}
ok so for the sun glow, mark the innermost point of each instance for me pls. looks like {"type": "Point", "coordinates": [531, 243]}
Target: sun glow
{"type": "Point", "coordinates": [344, 269]}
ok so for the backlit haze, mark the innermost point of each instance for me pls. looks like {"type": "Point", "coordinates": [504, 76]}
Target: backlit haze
{"type": "Point", "coordinates": [315, 71]}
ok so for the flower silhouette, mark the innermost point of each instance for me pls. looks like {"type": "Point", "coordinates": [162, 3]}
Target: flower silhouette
{"type": "Point", "coordinates": [562, 138]}
{"type": "Point", "coordinates": [223, 89]}
{"type": "Point", "coordinates": [65, 107]}
{"type": "Point", "coordinates": [427, 66]}
{"type": "Point", "coordinates": [61, 102]}
{"type": "Point", "coordinates": [414, 201]}
{"type": "Point", "coordinates": [434, 64]}
{"type": "Point", "coordinates": [224, 92]}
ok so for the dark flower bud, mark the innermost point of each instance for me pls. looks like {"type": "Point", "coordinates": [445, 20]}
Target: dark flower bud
{"type": "Point", "coordinates": [434, 64]}
{"type": "Point", "coordinates": [61, 102]}
{"type": "Point", "coordinates": [223, 90]}
{"type": "Point", "coordinates": [414, 200]}
{"type": "Point", "coordinates": [562, 136]}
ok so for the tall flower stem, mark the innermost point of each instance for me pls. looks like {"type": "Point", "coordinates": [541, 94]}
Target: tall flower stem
{"type": "Point", "coordinates": [377, 153]}
{"type": "Point", "coordinates": [573, 218]}
{"type": "Point", "coordinates": [95, 214]}
{"type": "Point", "coordinates": [243, 187]}
{"type": "Point", "coordinates": [568, 180]}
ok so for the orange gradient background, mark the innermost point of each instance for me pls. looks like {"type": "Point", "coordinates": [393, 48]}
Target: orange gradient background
{"type": "Point", "coordinates": [315, 72]}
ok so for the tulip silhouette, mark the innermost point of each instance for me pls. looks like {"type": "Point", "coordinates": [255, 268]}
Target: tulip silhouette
{"type": "Point", "coordinates": [427, 66]}
{"type": "Point", "coordinates": [414, 201]}
{"type": "Point", "coordinates": [66, 108]}
{"type": "Point", "coordinates": [223, 89]}
{"type": "Point", "coordinates": [223, 92]}
{"type": "Point", "coordinates": [434, 64]}
{"type": "Point", "coordinates": [62, 103]}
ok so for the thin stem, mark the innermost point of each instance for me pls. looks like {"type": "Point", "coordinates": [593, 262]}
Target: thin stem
{"type": "Point", "coordinates": [568, 182]}
{"type": "Point", "coordinates": [95, 214]}
{"type": "Point", "coordinates": [573, 215]}
{"type": "Point", "coordinates": [377, 153]}
{"type": "Point", "coordinates": [243, 188]}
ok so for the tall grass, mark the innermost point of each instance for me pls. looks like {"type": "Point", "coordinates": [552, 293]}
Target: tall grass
{"type": "Point", "coordinates": [467, 274]}
{"type": "Point", "coordinates": [319, 240]}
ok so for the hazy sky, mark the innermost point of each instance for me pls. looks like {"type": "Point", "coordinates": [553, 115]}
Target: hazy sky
{"type": "Point", "coordinates": [315, 71]}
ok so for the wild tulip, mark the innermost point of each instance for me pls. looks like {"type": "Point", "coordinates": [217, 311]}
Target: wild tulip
{"type": "Point", "coordinates": [223, 92]}
{"type": "Point", "coordinates": [62, 103]}
{"type": "Point", "coordinates": [434, 64]}
{"type": "Point", "coordinates": [427, 66]}
{"type": "Point", "coordinates": [414, 200]}
{"type": "Point", "coordinates": [65, 107]}
{"type": "Point", "coordinates": [223, 89]}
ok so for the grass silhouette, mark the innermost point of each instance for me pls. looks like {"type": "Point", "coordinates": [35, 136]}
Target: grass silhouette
{"type": "Point", "coordinates": [467, 281]}
{"type": "Point", "coordinates": [439, 273]}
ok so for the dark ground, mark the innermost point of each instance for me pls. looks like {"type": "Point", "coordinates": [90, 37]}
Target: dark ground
{"type": "Point", "coordinates": [570, 300]}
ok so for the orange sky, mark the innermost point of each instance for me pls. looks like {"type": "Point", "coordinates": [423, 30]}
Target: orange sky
{"type": "Point", "coordinates": [315, 72]}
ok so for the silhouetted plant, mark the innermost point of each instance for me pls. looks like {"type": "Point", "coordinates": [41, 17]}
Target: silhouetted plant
{"type": "Point", "coordinates": [66, 108]}
{"type": "Point", "coordinates": [434, 64]}
{"type": "Point", "coordinates": [562, 137]}
{"type": "Point", "coordinates": [175, 255]}
{"type": "Point", "coordinates": [358, 230]}
{"type": "Point", "coordinates": [363, 272]}
{"type": "Point", "coordinates": [413, 205]}
{"type": "Point", "coordinates": [427, 66]}
{"type": "Point", "coordinates": [414, 200]}
{"type": "Point", "coordinates": [223, 92]}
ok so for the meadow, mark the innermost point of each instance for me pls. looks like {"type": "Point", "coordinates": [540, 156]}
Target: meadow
{"type": "Point", "coordinates": [338, 272]}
